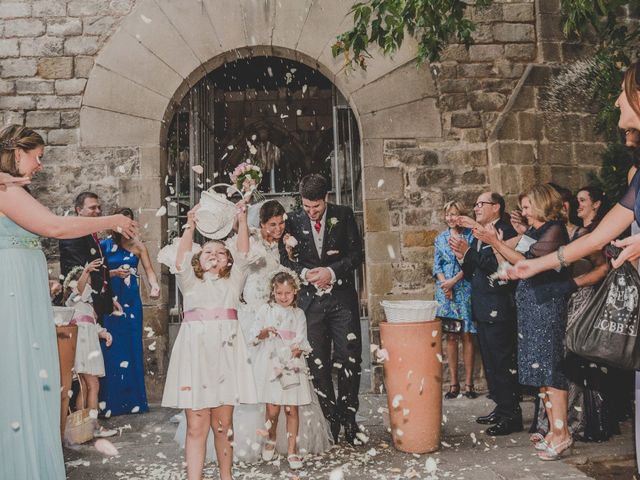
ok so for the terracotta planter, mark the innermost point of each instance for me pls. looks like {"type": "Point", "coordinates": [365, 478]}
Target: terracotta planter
{"type": "Point", "coordinates": [413, 378]}
{"type": "Point", "coordinates": [67, 337]}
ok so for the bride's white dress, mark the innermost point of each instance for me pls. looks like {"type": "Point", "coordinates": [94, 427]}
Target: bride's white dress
{"type": "Point", "coordinates": [249, 420]}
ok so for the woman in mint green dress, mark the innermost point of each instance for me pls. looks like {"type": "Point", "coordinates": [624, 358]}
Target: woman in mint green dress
{"type": "Point", "coordinates": [30, 443]}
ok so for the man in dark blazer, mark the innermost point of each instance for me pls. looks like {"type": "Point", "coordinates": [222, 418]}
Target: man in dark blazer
{"type": "Point", "coordinates": [328, 252]}
{"type": "Point", "coordinates": [494, 312]}
{"type": "Point", "coordinates": [80, 251]}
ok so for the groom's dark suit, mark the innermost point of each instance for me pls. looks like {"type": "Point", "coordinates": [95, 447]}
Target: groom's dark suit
{"type": "Point", "coordinates": [332, 318]}
{"type": "Point", "coordinates": [80, 251]}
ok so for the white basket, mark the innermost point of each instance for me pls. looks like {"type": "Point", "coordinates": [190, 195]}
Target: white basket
{"type": "Point", "coordinates": [62, 315]}
{"type": "Point", "coordinates": [405, 311]}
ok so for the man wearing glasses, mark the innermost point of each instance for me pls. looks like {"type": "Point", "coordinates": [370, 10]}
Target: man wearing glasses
{"type": "Point", "coordinates": [494, 312]}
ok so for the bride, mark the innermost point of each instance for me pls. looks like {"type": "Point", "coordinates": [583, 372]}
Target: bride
{"type": "Point", "coordinates": [249, 422]}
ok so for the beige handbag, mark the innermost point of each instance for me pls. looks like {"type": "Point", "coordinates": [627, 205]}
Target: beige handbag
{"type": "Point", "coordinates": [80, 426]}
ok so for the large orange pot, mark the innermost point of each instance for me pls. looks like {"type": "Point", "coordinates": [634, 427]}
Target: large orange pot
{"type": "Point", "coordinates": [67, 338]}
{"type": "Point", "coordinates": [413, 378]}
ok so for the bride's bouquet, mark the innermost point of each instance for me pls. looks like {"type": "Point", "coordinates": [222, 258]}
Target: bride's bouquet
{"type": "Point", "coordinates": [246, 178]}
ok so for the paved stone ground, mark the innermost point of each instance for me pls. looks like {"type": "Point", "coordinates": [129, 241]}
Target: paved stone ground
{"type": "Point", "coordinates": [147, 451]}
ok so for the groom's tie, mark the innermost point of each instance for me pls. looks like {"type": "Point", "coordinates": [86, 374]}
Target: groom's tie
{"type": "Point", "coordinates": [318, 226]}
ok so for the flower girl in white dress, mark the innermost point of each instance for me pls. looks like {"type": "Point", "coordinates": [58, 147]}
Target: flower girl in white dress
{"type": "Point", "coordinates": [89, 363]}
{"type": "Point", "coordinates": [209, 371]}
{"type": "Point", "coordinates": [282, 376]}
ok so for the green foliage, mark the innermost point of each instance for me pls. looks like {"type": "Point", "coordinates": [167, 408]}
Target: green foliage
{"type": "Point", "coordinates": [385, 22]}
{"type": "Point", "coordinates": [602, 22]}
{"type": "Point", "coordinates": [612, 179]}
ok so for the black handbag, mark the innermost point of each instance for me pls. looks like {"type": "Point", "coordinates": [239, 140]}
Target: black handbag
{"type": "Point", "coordinates": [607, 329]}
{"type": "Point", "coordinates": [450, 325]}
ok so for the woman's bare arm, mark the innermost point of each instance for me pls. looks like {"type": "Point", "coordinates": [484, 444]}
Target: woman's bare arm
{"type": "Point", "coordinates": [18, 205]}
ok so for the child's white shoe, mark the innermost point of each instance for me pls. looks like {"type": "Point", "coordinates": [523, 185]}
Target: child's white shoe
{"type": "Point", "coordinates": [104, 433]}
{"type": "Point", "coordinates": [295, 462]}
{"type": "Point", "coordinates": [268, 453]}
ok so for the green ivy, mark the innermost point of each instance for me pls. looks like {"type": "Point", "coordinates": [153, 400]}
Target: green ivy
{"type": "Point", "coordinates": [384, 23]}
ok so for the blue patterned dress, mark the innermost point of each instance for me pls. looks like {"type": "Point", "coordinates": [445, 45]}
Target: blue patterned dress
{"type": "Point", "coordinates": [30, 444]}
{"type": "Point", "coordinates": [445, 262]}
{"type": "Point", "coordinates": [122, 388]}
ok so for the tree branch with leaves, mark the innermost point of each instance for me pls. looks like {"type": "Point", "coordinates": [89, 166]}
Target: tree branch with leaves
{"type": "Point", "coordinates": [384, 23]}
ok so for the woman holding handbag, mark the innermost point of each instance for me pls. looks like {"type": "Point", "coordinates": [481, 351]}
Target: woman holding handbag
{"type": "Point", "coordinates": [453, 294]}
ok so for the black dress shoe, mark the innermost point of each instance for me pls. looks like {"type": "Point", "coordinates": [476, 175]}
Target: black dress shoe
{"type": "Point", "coordinates": [335, 430]}
{"type": "Point", "coordinates": [351, 430]}
{"type": "Point", "coordinates": [506, 426]}
{"type": "Point", "coordinates": [490, 419]}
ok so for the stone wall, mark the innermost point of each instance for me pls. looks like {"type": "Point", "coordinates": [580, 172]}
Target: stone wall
{"type": "Point", "coordinates": [442, 132]}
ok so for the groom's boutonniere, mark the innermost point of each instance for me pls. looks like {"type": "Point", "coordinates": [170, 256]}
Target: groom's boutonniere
{"type": "Point", "coordinates": [333, 221]}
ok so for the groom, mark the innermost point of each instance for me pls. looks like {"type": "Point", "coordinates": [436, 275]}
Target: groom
{"type": "Point", "coordinates": [328, 252]}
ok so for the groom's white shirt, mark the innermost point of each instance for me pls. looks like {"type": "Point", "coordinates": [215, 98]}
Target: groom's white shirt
{"type": "Point", "coordinates": [318, 239]}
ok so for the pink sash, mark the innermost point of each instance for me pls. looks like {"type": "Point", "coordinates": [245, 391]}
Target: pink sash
{"type": "Point", "coordinates": [82, 319]}
{"type": "Point", "coordinates": [209, 314]}
{"type": "Point", "coordinates": [287, 334]}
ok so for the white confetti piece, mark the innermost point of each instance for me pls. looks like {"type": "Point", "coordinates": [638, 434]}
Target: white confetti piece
{"type": "Point", "coordinates": [351, 336]}
{"type": "Point", "coordinates": [146, 20]}
{"type": "Point", "coordinates": [43, 374]}
{"type": "Point", "coordinates": [380, 182]}
{"type": "Point", "coordinates": [135, 409]}
{"type": "Point", "coordinates": [391, 251]}
{"type": "Point", "coordinates": [161, 455]}
{"type": "Point", "coordinates": [152, 346]}
{"type": "Point", "coordinates": [93, 413]}
{"type": "Point", "coordinates": [124, 364]}
{"type": "Point", "coordinates": [162, 211]}
{"type": "Point", "coordinates": [434, 333]}
{"type": "Point", "coordinates": [558, 423]}
{"type": "Point", "coordinates": [372, 452]}
{"type": "Point", "coordinates": [395, 403]}
{"type": "Point", "coordinates": [102, 405]}
{"type": "Point", "coordinates": [535, 365]}
{"type": "Point", "coordinates": [493, 314]}
{"type": "Point", "coordinates": [439, 356]}
{"type": "Point", "coordinates": [105, 447]}
{"type": "Point", "coordinates": [198, 169]}
{"type": "Point", "coordinates": [431, 466]}
{"type": "Point", "coordinates": [15, 426]}
{"type": "Point", "coordinates": [399, 432]}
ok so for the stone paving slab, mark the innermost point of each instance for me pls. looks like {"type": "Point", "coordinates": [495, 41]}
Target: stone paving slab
{"type": "Point", "coordinates": [147, 451]}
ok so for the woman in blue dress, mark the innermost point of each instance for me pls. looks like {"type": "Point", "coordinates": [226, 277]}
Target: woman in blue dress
{"type": "Point", "coordinates": [122, 388]}
{"type": "Point", "coordinates": [453, 294]}
{"type": "Point", "coordinates": [30, 443]}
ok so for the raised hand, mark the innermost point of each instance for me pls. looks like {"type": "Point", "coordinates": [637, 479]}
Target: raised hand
{"type": "Point", "coordinates": [518, 222]}
{"type": "Point", "coordinates": [124, 225]}
{"type": "Point", "coordinates": [459, 245]}
{"type": "Point", "coordinates": [93, 266]}
{"type": "Point", "coordinates": [466, 222]}
{"type": "Point", "coordinates": [7, 180]}
{"type": "Point", "coordinates": [630, 250]}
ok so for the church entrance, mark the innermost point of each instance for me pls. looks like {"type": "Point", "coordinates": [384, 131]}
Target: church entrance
{"type": "Point", "coordinates": [279, 114]}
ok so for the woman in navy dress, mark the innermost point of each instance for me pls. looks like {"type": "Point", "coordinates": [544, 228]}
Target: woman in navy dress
{"type": "Point", "coordinates": [621, 216]}
{"type": "Point", "coordinates": [542, 313]}
{"type": "Point", "coordinates": [453, 294]}
{"type": "Point", "coordinates": [122, 388]}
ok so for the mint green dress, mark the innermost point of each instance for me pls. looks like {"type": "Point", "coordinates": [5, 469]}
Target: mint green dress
{"type": "Point", "coordinates": [30, 445]}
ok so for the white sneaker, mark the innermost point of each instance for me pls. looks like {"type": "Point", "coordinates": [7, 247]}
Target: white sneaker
{"type": "Point", "coordinates": [295, 462]}
{"type": "Point", "coordinates": [268, 454]}
{"type": "Point", "coordinates": [104, 432]}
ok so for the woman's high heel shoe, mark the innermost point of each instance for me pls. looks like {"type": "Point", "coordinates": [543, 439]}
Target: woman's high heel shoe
{"type": "Point", "coordinates": [538, 441]}
{"type": "Point", "coordinates": [552, 453]}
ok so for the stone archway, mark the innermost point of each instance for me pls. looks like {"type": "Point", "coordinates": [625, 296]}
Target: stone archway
{"type": "Point", "coordinates": [164, 47]}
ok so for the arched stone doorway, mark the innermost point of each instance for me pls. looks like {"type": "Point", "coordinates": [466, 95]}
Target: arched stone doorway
{"type": "Point", "coordinates": [164, 48]}
{"type": "Point", "coordinates": [276, 113]}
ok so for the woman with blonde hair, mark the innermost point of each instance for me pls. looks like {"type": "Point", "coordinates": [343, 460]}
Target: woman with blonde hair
{"type": "Point", "coordinates": [453, 294]}
{"type": "Point", "coordinates": [30, 404]}
{"type": "Point", "coordinates": [542, 312]}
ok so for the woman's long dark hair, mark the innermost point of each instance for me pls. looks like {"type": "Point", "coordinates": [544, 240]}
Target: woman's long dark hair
{"type": "Point", "coordinates": [127, 212]}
